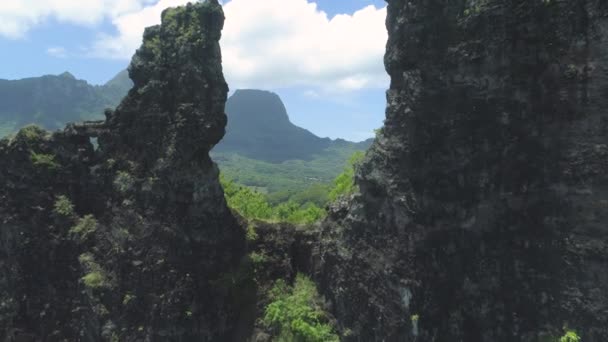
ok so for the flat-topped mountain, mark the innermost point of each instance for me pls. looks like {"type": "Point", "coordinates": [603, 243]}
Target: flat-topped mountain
{"type": "Point", "coordinates": [259, 128]}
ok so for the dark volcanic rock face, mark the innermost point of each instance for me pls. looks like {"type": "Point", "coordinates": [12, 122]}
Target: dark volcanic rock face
{"type": "Point", "coordinates": [482, 213]}
{"type": "Point", "coordinates": [134, 241]}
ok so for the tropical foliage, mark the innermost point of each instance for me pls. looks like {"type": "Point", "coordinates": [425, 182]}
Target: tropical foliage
{"type": "Point", "coordinates": [298, 180]}
{"type": "Point", "coordinates": [570, 336]}
{"type": "Point", "coordinates": [295, 313]}
{"type": "Point", "coordinates": [252, 204]}
{"type": "Point", "coordinates": [344, 184]}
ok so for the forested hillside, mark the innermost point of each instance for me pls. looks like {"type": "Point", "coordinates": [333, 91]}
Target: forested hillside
{"type": "Point", "coordinates": [262, 148]}
{"type": "Point", "coordinates": [51, 101]}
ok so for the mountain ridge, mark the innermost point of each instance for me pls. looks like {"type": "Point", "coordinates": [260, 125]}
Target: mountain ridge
{"type": "Point", "coordinates": [259, 126]}
{"type": "Point", "coordinates": [52, 101]}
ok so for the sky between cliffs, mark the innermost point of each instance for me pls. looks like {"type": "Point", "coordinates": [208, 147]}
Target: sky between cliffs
{"type": "Point", "coordinates": [324, 58]}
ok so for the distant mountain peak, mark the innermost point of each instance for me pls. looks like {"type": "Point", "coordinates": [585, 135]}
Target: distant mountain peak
{"type": "Point", "coordinates": [256, 107]}
{"type": "Point", "coordinates": [259, 128]}
{"type": "Point", "coordinates": [67, 74]}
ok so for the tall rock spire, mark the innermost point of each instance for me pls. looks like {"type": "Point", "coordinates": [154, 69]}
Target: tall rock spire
{"type": "Point", "coordinates": [134, 241]}
{"type": "Point", "coordinates": [481, 214]}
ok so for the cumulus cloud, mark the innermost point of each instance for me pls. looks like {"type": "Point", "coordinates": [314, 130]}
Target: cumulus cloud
{"type": "Point", "coordinates": [57, 52]}
{"type": "Point", "coordinates": [279, 43]}
{"type": "Point", "coordinates": [130, 27]}
{"type": "Point", "coordinates": [265, 44]}
{"type": "Point", "coordinates": [282, 43]}
{"type": "Point", "coordinates": [17, 17]}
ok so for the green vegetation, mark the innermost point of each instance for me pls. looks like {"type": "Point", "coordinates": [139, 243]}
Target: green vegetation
{"type": "Point", "coordinates": [153, 45]}
{"type": "Point", "coordinates": [257, 258]}
{"type": "Point", "coordinates": [300, 181]}
{"type": "Point", "coordinates": [252, 234]}
{"type": "Point", "coordinates": [128, 298]}
{"type": "Point", "coordinates": [44, 160]}
{"type": "Point", "coordinates": [124, 182]}
{"type": "Point", "coordinates": [96, 277]}
{"type": "Point", "coordinates": [63, 206]}
{"type": "Point", "coordinates": [94, 280]}
{"type": "Point", "coordinates": [296, 313]}
{"type": "Point", "coordinates": [344, 184]}
{"type": "Point", "coordinates": [31, 133]}
{"type": "Point", "coordinates": [316, 193]}
{"type": "Point", "coordinates": [85, 226]}
{"type": "Point", "coordinates": [570, 336]}
{"type": "Point", "coordinates": [253, 205]}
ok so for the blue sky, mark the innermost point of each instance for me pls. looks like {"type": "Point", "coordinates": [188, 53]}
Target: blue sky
{"type": "Point", "coordinates": [328, 71]}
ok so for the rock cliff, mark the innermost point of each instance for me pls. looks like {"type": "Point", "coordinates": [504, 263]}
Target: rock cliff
{"type": "Point", "coordinates": [481, 214]}
{"type": "Point", "coordinates": [482, 207]}
{"type": "Point", "coordinates": [131, 241]}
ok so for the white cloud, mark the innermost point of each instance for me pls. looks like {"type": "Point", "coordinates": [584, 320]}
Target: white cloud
{"type": "Point", "coordinates": [283, 43]}
{"type": "Point", "coordinates": [130, 27]}
{"type": "Point", "coordinates": [279, 44]}
{"type": "Point", "coordinates": [57, 52]}
{"type": "Point", "coordinates": [265, 43]}
{"type": "Point", "coordinates": [17, 17]}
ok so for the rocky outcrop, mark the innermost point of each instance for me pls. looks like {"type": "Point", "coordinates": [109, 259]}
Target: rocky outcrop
{"type": "Point", "coordinates": [482, 207]}
{"type": "Point", "coordinates": [480, 217]}
{"type": "Point", "coordinates": [132, 241]}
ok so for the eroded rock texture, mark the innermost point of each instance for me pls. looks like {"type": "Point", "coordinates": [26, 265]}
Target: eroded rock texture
{"type": "Point", "coordinates": [484, 201]}
{"type": "Point", "coordinates": [132, 241]}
